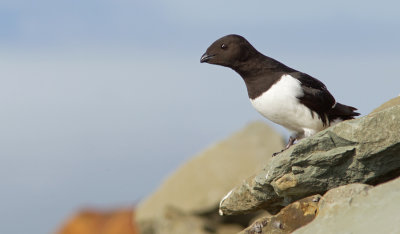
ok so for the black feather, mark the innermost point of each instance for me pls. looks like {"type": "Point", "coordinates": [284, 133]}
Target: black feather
{"type": "Point", "coordinates": [316, 96]}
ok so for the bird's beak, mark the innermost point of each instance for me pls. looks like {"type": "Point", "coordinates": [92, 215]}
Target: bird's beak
{"type": "Point", "coordinates": [205, 57]}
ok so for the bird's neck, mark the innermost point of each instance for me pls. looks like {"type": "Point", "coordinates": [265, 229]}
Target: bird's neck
{"type": "Point", "coordinates": [256, 65]}
{"type": "Point", "coordinates": [260, 73]}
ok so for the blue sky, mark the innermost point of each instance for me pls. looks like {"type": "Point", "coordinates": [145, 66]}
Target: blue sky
{"type": "Point", "coordinates": [101, 100]}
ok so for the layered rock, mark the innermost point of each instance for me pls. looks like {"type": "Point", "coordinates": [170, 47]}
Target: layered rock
{"type": "Point", "coordinates": [344, 162]}
{"type": "Point", "coordinates": [357, 208]}
{"type": "Point", "coordinates": [188, 201]}
{"type": "Point", "coordinates": [364, 150]}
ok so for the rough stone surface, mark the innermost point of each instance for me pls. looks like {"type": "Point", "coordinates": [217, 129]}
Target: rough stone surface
{"type": "Point", "coordinates": [392, 102]}
{"type": "Point", "coordinates": [290, 218]}
{"type": "Point", "coordinates": [364, 150]}
{"type": "Point", "coordinates": [358, 209]}
{"type": "Point", "coordinates": [341, 195]}
{"type": "Point", "coordinates": [197, 186]}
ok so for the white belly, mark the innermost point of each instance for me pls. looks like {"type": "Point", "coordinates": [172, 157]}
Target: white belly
{"type": "Point", "coordinates": [281, 105]}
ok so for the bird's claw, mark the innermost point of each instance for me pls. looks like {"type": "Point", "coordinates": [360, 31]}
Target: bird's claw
{"type": "Point", "coordinates": [276, 153]}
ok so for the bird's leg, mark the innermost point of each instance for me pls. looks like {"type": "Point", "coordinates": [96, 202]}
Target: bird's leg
{"type": "Point", "coordinates": [292, 139]}
{"type": "Point", "coordinates": [290, 142]}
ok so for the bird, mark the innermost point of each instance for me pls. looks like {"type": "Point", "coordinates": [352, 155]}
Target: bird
{"type": "Point", "coordinates": [293, 99]}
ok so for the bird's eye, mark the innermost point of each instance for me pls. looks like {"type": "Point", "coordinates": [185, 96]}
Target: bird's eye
{"type": "Point", "coordinates": [223, 46]}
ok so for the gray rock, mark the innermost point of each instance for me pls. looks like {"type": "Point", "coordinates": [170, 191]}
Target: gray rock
{"type": "Point", "coordinates": [356, 208]}
{"type": "Point", "coordinates": [341, 195]}
{"type": "Point", "coordinates": [197, 186]}
{"type": "Point", "coordinates": [364, 150]}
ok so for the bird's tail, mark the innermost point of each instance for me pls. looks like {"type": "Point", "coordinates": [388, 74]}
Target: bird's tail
{"type": "Point", "coordinates": [342, 112]}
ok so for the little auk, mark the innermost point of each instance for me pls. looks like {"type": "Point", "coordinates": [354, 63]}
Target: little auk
{"type": "Point", "coordinates": [293, 99]}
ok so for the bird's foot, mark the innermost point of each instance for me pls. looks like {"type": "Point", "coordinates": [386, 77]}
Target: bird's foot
{"type": "Point", "coordinates": [276, 153]}
{"type": "Point", "coordinates": [290, 143]}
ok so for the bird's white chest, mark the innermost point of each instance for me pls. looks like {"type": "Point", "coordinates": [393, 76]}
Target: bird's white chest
{"type": "Point", "coordinates": [281, 105]}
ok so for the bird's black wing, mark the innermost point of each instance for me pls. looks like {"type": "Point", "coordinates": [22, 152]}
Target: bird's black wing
{"type": "Point", "coordinates": [316, 96]}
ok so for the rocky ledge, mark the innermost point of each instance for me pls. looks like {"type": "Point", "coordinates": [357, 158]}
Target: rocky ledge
{"type": "Point", "coordinates": [364, 150]}
{"type": "Point", "coordinates": [337, 181]}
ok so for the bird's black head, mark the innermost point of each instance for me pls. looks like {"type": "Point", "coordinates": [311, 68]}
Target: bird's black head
{"type": "Point", "coordinates": [228, 51]}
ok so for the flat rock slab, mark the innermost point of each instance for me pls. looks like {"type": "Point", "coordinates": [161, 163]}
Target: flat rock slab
{"type": "Point", "coordinates": [365, 150]}
{"type": "Point", "coordinates": [356, 208]}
